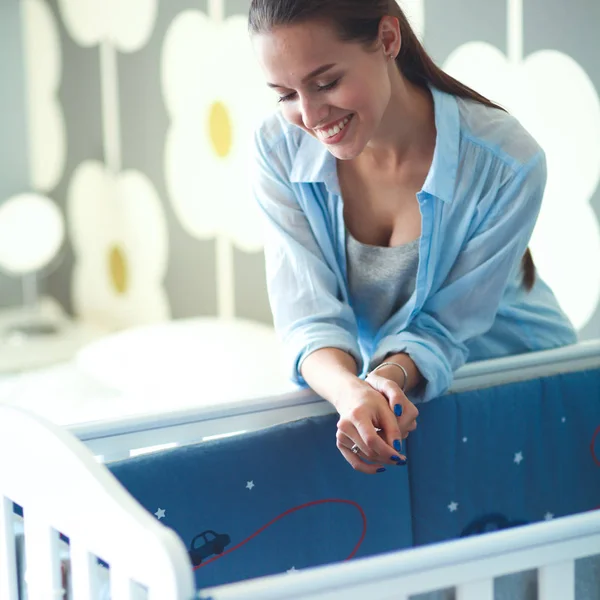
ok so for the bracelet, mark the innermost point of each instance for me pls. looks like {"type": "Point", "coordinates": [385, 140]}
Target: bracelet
{"type": "Point", "coordinates": [385, 364]}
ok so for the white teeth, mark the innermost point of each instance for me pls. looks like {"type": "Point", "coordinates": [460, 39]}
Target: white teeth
{"type": "Point", "coordinates": [334, 130]}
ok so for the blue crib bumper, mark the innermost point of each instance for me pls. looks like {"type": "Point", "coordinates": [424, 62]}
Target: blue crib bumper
{"type": "Point", "coordinates": [270, 501]}
{"type": "Point", "coordinates": [283, 498]}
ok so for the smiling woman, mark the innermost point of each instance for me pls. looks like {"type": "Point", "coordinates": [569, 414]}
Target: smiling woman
{"type": "Point", "coordinates": [399, 205]}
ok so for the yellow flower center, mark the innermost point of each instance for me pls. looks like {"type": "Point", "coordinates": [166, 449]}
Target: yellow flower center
{"type": "Point", "coordinates": [118, 269]}
{"type": "Point", "coordinates": [220, 131]}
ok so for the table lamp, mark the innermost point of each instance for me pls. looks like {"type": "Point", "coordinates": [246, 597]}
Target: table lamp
{"type": "Point", "coordinates": [32, 233]}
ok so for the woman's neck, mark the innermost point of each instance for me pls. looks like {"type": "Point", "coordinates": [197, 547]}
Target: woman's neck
{"type": "Point", "coordinates": [407, 131]}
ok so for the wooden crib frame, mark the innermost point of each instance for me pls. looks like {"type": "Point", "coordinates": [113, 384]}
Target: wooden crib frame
{"type": "Point", "coordinates": [118, 438]}
{"type": "Point", "coordinates": [63, 488]}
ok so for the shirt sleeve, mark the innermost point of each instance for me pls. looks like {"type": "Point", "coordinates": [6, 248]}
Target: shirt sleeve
{"type": "Point", "coordinates": [467, 302]}
{"type": "Point", "coordinates": [304, 290]}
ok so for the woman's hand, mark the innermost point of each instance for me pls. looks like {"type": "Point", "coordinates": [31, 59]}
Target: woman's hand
{"type": "Point", "coordinates": [366, 408]}
{"type": "Point", "coordinates": [405, 411]}
{"type": "Point", "coordinates": [367, 420]}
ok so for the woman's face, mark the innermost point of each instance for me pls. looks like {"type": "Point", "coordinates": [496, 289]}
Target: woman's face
{"type": "Point", "coordinates": [335, 91]}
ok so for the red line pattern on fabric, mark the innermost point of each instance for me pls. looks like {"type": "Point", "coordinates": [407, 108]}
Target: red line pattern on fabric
{"type": "Point", "coordinates": [289, 512]}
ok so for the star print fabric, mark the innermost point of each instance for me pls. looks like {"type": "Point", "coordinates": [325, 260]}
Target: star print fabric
{"type": "Point", "coordinates": [288, 484]}
{"type": "Point", "coordinates": [495, 458]}
{"type": "Point", "coordinates": [282, 499]}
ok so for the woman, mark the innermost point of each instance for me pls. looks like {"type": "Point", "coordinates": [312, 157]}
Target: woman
{"type": "Point", "coordinates": [399, 205]}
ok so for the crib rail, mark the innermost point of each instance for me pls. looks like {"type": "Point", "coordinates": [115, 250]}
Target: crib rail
{"type": "Point", "coordinates": [116, 439]}
{"type": "Point", "coordinates": [8, 559]}
{"type": "Point", "coordinates": [65, 491]}
{"type": "Point", "coordinates": [468, 565]}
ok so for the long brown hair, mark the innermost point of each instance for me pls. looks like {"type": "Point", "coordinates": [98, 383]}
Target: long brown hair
{"type": "Point", "coordinates": [358, 21]}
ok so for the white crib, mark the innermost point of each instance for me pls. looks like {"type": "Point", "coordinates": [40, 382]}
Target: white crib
{"type": "Point", "coordinates": [121, 437]}
{"type": "Point", "coordinates": [62, 487]}
{"type": "Point", "coordinates": [468, 565]}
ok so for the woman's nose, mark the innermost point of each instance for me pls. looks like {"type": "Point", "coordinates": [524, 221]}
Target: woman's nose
{"type": "Point", "coordinates": [313, 113]}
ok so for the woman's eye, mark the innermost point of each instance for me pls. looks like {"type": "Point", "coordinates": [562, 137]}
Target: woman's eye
{"type": "Point", "coordinates": [320, 88]}
{"type": "Point", "coordinates": [329, 86]}
{"type": "Point", "coordinates": [286, 98]}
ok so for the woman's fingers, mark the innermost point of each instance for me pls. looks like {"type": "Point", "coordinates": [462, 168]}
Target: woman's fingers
{"type": "Point", "coordinates": [364, 421]}
{"type": "Point", "coordinates": [381, 444]}
{"type": "Point", "coordinates": [404, 410]}
{"type": "Point", "coordinates": [390, 438]}
{"type": "Point", "coordinates": [348, 436]}
{"type": "Point", "coordinates": [355, 459]}
{"type": "Point", "coordinates": [369, 426]}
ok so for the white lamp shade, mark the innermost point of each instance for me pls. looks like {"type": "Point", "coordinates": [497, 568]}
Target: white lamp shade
{"type": "Point", "coordinates": [32, 231]}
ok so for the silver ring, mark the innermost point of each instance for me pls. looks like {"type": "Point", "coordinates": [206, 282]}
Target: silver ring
{"type": "Point", "coordinates": [355, 448]}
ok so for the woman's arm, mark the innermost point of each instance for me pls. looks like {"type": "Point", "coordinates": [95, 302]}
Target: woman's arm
{"type": "Point", "coordinates": [375, 419]}
{"type": "Point", "coordinates": [332, 374]}
{"type": "Point", "coordinates": [304, 280]}
{"type": "Point", "coordinates": [315, 323]}
{"type": "Point", "coordinates": [467, 302]}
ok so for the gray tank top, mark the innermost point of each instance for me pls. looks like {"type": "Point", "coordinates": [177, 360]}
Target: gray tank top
{"type": "Point", "coordinates": [381, 280]}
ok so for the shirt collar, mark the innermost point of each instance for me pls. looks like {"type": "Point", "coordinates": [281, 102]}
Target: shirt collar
{"type": "Point", "coordinates": [441, 179]}
{"type": "Point", "coordinates": [314, 163]}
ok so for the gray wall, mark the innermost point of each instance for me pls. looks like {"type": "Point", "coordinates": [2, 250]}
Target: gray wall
{"type": "Point", "coordinates": [570, 27]}
{"type": "Point", "coordinates": [191, 276]}
{"type": "Point", "coordinates": [14, 169]}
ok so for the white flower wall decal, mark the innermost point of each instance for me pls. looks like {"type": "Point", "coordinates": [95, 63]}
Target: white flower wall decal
{"type": "Point", "coordinates": [556, 101]}
{"type": "Point", "coordinates": [216, 96]}
{"type": "Point", "coordinates": [214, 105]}
{"type": "Point", "coordinates": [126, 23]}
{"type": "Point", "coordinates": [116, 219]}
{"type": "Point", "coordinates": [119, 236]}
{"type": "Point", "coordinates": [46, 122]}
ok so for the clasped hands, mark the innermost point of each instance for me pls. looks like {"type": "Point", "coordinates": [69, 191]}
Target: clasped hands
{"type": "Point", "coordinates": [375, 419]}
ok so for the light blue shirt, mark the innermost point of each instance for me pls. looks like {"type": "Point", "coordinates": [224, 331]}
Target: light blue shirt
{"type": "Point", "coordinates": [479, 205]}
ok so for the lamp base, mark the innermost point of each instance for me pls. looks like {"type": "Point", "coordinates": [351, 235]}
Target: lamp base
{"type": "Point", "coordinates": [32, 338]}
{"type": "Point", "coordinates": [31, 329]}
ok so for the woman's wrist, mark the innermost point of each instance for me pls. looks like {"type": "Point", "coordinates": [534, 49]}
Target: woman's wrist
{"type": "Point", "coordinates": [347, 391]}
{"type": "Point", "coordinates": [407, 377]}
{"type": "Point", "coordinates": [396, 365]}
{"type": "Point", "coordinates": [331, 373]}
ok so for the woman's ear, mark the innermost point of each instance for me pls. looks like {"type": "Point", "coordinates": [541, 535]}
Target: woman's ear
{"type": "Point", "coordinates": [389, 36]}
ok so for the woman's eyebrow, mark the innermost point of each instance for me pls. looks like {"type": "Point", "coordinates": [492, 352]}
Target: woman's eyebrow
{"type": "Point", "coordinates": [311, 75]}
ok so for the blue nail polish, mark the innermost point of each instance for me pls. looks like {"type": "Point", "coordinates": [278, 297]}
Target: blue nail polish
{"type": "Point", "coordinates": [396, 458]}
{"type": "Point", "coordinates": [380, 470]}
{"type": "Point", "coordinates": [401, 463]}
{"type": "Point", "coordinates": [398, 445]}
{"type": "Point", "coordinates": [398, 410]}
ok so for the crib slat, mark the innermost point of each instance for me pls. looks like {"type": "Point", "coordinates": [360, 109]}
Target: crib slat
{"type": "Point", "coordinates": [557, 582]}
{"type": "Point", "coordinates": [121, 586]}
{"type": "Point", "coordinates": [8, 562]}
{"type": "Point", "coordinates": [476, 590]}
{"type": "Point", "coordinates": [42, 569]}
{"type": "Point", "coordinates": [84, 573]}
